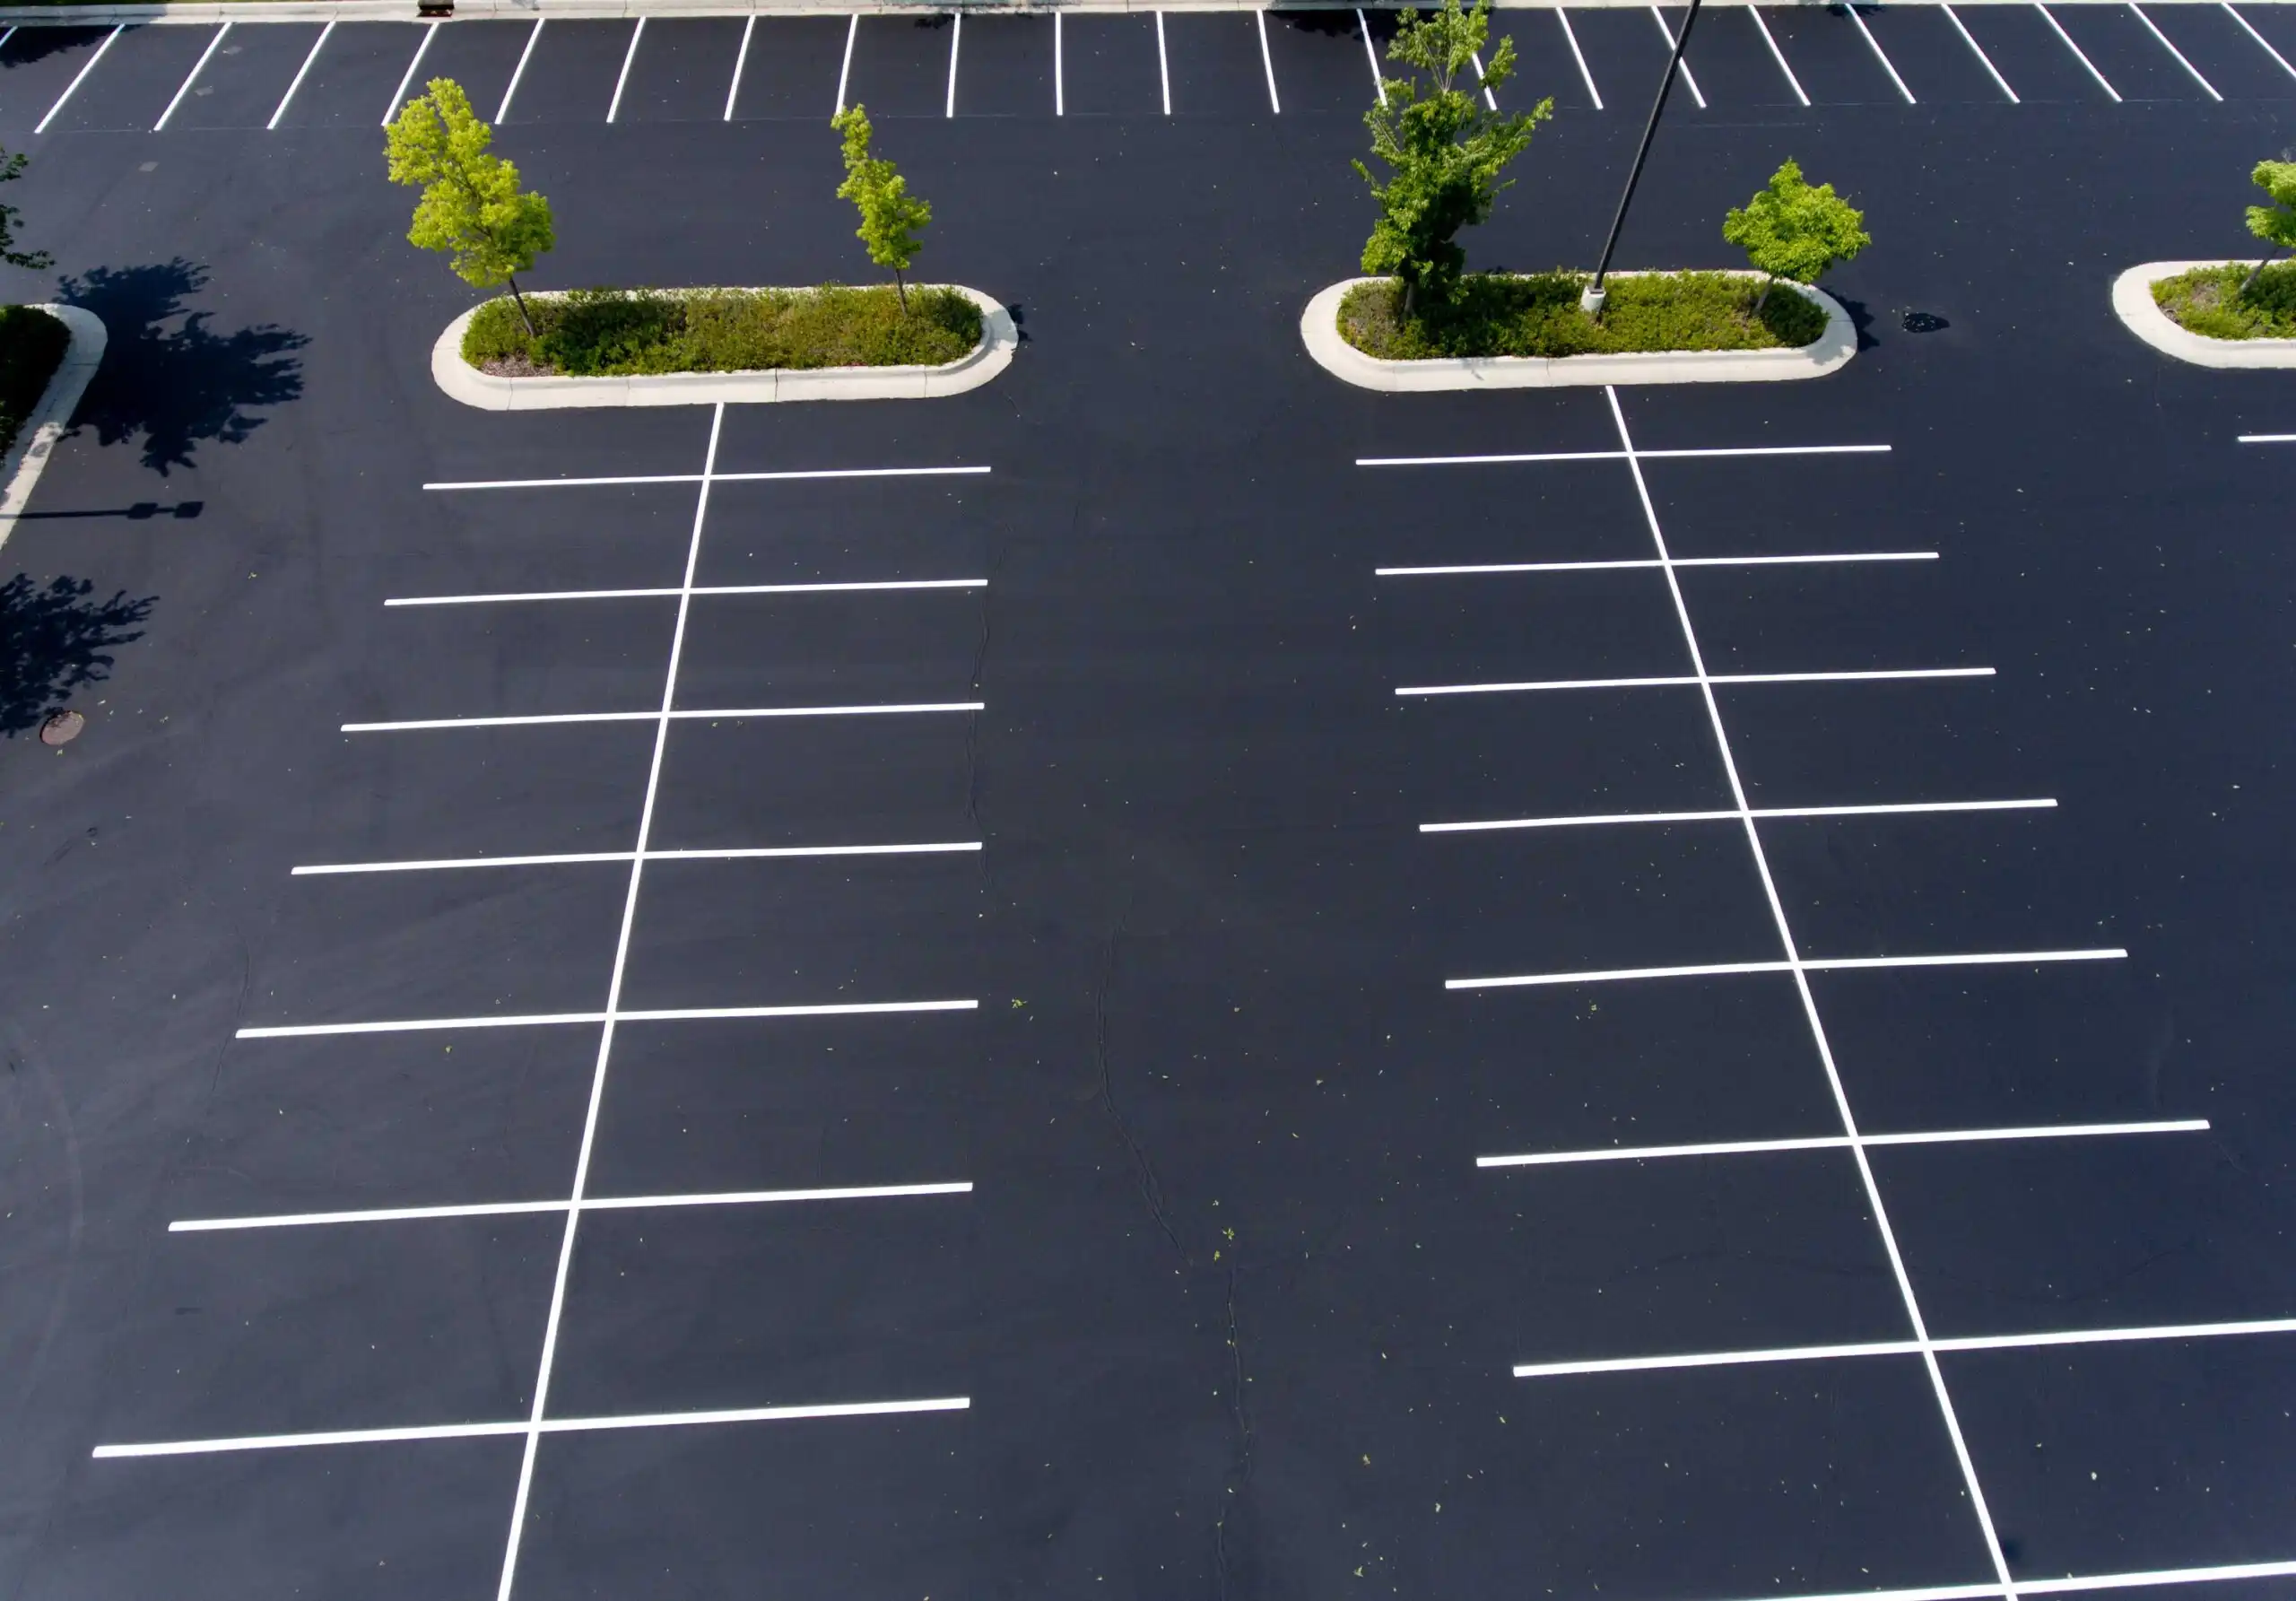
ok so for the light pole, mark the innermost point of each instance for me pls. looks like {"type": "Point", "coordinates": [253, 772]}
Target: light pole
{"type": "Point", "coordinates": [1590, 298]}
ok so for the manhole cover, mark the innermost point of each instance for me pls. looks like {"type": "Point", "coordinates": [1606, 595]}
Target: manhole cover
{"type": "Point", "coordinates": [62, 728]}
{"type": "Point", "coordinates": [1925, 322]}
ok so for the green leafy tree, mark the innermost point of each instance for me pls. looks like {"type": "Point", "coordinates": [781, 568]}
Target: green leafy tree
{"type": "Point", "coordinates": [1793, 230]}
{"type": "Point", "coordinates": [2275, 225]}
{"type": "Point", "coordinates": [472, 204]}
{"type": "Point", "coordinates": [1443, 146]}
{"type": "Point", "coordinates": [12, 167]}
{"type": "Point", "coordinates": [890, 214]}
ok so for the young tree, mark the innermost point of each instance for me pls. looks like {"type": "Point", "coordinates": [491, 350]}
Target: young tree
{"type": "Point", "coordinates": [890, 214]}
{"type": "Point", "coordinates": [472, 203]}
{"type": "Point", "coordinates": [2275, 225]}
{"type": "Point", "coordinates": [1444, 149]}
{"type": "Point", "coordinates": [12, 167]}
{"type": "Point", "coordinates": [1792, 230]}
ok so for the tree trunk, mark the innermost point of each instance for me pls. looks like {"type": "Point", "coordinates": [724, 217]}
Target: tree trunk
{"type": "Point", "coordinates": [521, 302]}
{"type": "Point", "coordinates": [1764, 299]}
{"type": "Point", "coordinates": [1406, 299]}
{"type": "Point", "coordinates": [2255, 273]}
{"type": "Point", "coordinates": [902, 289]}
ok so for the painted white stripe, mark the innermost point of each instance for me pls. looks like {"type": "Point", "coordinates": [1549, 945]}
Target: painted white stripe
{"type": "Point", "coordinates": [78, 78]}
{"type": "Point", "coordinates": [423, 1025]}
{"type": "Point", "coordinates": [643, 478]}
{"type": "Point", "coordinates": [562, 1425]}
{"type": "Point", "coordinates": [1691, 679]}
{"type": "Point", "coordinates": [1969, 40]}
{"type": "Point", "coordinates": [585, 858]}
{"type": "Point", "coordinates": [2268, 438]}
{"type": "Point", "coordinates": [2103, 81]}
{"type": "Point", "coordinates": [1875, 46]}
{"type": "Point", "coordinates": [424, 723]}
{"type": "Point", "coordinates": [2146, 1579]}
{"type": "Point", "coordinates": [529, 595]}
{"type": "Point", "coordinates": [1578, 55]}
{"type": "Point", "coordinates": [302, 73]}
{"type": "Point", "coordinates": [503, 112]}
{"type": "Point", "coordinates": [1489, 98]}
{"type": "Point", "coordinates": [1814, 964]}
{"type": "Point", "coordinates": [621, 78]}
{"type": "Point", "coordinates": [2229, 11]}
{"type": "Point", "coordinates": [1260, 19]}
{"type": "Point", "coordinates": [8, 34]}
{"type": "Point", "coordinates": [398, 95]}
{"type": "Point", "coordinates": [2154, 30]}
{"type": "Point", "coordinates": [1539, 456]}
{"type": "Point", "coordinates": [741, 65]}
{"type": "Point", "coordinates": [1667, 34]}
{"type": "Point", "coordinates": [1779, 55]}
{"type": "Point", "coordinates": [399, 1215]}
{"type": "Point", "coordinates": [1839, 1142]}
{"type": "Point", "coordinates": [956, 39]}
{"type": "Point", "coordinates": [191, 77]}
{"type": "Point", "coordinates": [1594, 820]}
{"type": "Point", "coordinates": [1059, 70]}
{"type": "Point", "coordinates": [1163, 64]}
{"type": "Point", "coordinates": [845, 68]}
{"type": "Point", "coordinates": [1639, 563]}
{"type": "Point", "coordinates": [1370, 55]}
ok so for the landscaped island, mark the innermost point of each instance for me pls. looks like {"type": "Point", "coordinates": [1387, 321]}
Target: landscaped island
{"type": "Point", "coordinates": [1538, 314]}
{"type": "Point", "coordinates": [31, 348]}
{"type": "Point", "coordinates": [2231, 301]}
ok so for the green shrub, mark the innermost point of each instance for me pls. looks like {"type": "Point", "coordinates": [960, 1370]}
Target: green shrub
{"type": "Point", "coordinates": [31, 348]}
{"type": "Point", "coordinates": [628, 332]}
{"type": "Point", "coordinates": [2210, 302]}
{"type": "Point", "coordinates": [1537, 314]}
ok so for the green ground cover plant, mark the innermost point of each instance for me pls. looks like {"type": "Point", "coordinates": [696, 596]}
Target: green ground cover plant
{"type": "Point", "coordinates": [2231, 301]}
{"type": "Point", "coordinates": [1537, 314]}
{"type": "Point", "coordinates": [31, 348]}
{"type": "Point", "coordinates": [599, 332]}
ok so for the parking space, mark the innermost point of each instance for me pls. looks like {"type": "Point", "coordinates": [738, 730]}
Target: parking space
{"type": "Point", "coordinates": [246, 78]}
{"type": "Point", "coordinates": [2025, 46]}
{"type": "Point", "coordinates": [2226, 50]}
{"type": "Point", "coordinates": [1548, 63]}
{"type": "Point", "coordinates": [482, 56]}
{"type": "Point", "coordinates": [1111, 68]}
{"type": "Point", "coordinates": [136, 81]}
{"type": "Point", "coordinates": [1931, 55]}
{"type": "Point", "coordinates": [2130, 52]}
{"type": "Point", "coordinates": [1625, 51]}
{"type": "Point", "coordinates": [39, 65]}
{"type": "Point", "coordinates": [1737, 62]}
{"type": "Point", "coordinates": [903, 66]}
{"type": "Point", "coordinates": [1835, 59]}
{"type": "Point", "coordinates": [792, 68]}
{"type": "Point", "coordinates": [352, 76]}
{"type": "Point", "coordinates": [1216, 64]}
{"type": "Point", "coordinates": [1324, 62]}
{"type": "Point", "coordinates": [683, 69]}
{"type": "Point", "coordinates": [1006, 67]}
{"type": "Point", "coordinates": [569, 73]}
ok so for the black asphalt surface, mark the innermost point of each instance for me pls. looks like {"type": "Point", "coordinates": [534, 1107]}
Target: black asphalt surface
{"type": "Point", "coordinates": [1235, 1310]}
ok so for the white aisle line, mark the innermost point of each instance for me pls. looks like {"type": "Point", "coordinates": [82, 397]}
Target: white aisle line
{"type": "Point", "coordinates": [741, 64]}
{"type": "Point", "coordinates": [1969, 40]}
{"type": "Point", "coordinates": [1607, 819]}
{"type": "Point", "coordinates": [1809, 964]}
{"type": "Point", "coordinates": [1578, 55]}
{"type": "Point", "coordinates": [621, 78]}
{"type": "Point", "coordinates": [1370, 55]}
{"type": "Point", "coordinates": [537, 1020]}
{"type": "Point", "coordinates": [1832, 1142]}
{"type": "Point", "coordinates": [1875, 46]}
{"type": "Point", "coordinates": [2147, 1578]}
{"type": "Point", "coordinates": [1779, 55]}
{"type": "Point", "coordinates": [1801, 975]}
{"type": "Point", "coordinates": [503, 112]}
{"type": "Point", "coordinates": [79, 77]}
{"type": "Point", "coordinates": [398, 95]}
{"type": "Point", "coordinates": [1539, 456]}
{"type": "Point", "coordinates": [1163, 64]}
{"type": "Point", "coordinates": [417, 724]}
{"type": "Point", "coordinates": [1926, 1347]}
{"type": "Point", "coordinates": [400, 1215]}
{"type": "Point", "coordinates": [2229, 11]}
{"type": "Point", "coordinates": [530, 1429]}
{"type": "Point", "coordinates": [645, 478]}
{"type": "Point", "coordinates": [191, 77]}
{"type": "Point", "coordinates": [1489, 98]}
{"type": "Point", "coordinates": [302, 73]}
{"type": "Point", "coordinates": [2154, 30]}
{"type": "Point", "coordinates": [1059, 70]}
{"type": "Point", "coordinates": [743, 853]}
{"type": "Point", "coordinates": [1667, 34]}
{"type": "Point", "coordinates": [956, 41]}
{"type": "Point", "coordinates": [1674, 681]}
{"type": "Point", "coordinates": [2078, 54]}
{"type": "Point", "coordinates": [845, 68]}
{"type": "Point", "coordinates": [2268, 438]}
{"type": "Point", "coordinates": [506, 598]}
{"type": "Point", "coordinates": [1642, 564]}
{"type": "Point", "coordinates": [1266, 61]}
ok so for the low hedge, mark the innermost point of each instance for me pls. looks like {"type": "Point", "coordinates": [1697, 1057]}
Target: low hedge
{"type": "Point", "coordinates": [1536, 314]}
{"type": "Point", "coordinates": [31, 348]}
{"type": "Point", "coordinates": [600, 332]}
{"type": "Point", "coordinates": [2209, 301]}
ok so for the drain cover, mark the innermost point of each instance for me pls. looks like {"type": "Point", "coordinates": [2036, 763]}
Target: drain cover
{"type": "Point", "coordinates": [1925, 322]}
{"type": "Point", "coordinates": [62, 728]}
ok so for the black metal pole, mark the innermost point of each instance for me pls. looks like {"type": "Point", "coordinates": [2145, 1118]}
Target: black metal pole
{"type": "Point", "coordinates": [1649, 131]}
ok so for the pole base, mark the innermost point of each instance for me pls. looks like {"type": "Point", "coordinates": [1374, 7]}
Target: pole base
{"type": "Point", "coordinates": [1591, 299]}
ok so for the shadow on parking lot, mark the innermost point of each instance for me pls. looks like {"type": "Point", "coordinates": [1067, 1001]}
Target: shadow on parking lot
{"type": "Point", "coordinates": [27, 45]}
{"type": "Point", "coordinates": [52, 641]}
{"type": "Point", "coordinates": [167, 375]}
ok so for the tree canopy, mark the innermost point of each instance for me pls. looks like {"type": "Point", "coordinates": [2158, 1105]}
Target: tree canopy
{"type": "Point", "coordinates": [1791, 229]}
{"type": "Point", "coordinates": [472, 205]}
{"type": "Point", "coordinates": [890, 214]}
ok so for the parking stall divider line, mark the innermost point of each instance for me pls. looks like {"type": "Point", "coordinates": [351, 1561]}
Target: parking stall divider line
{"type": "Point", "coordinates": [2079, 55]}
{"type": "Point", "coordinates": [398, 96]}
{"type": "Point", "coordinates": [1985, 60]}
{"type": "Point", "coordinates": [1631, 564]}
{"type": "Point", "coordinates": [1880, 55]}
{"type": "Point", "coordinates": [740, 62]}
{"type": "Point", "coordinates": [503, 112]}
{"type": "Point", "coordinates": [2229, 10]}
{"type": "Point", "coordinates": [1676, 681]}
{"type": "Point", "coordinates": [1839, 1142]}
{"type": "Point", "coordinates": [2268, 438]}
{"type": "Point", "coordinates": [1609, 819]}
{"type": "Point", "coordinates": [1689, 80]}
{"type": "Point", "coordinates": [1778, 55]}
{"type": "Point", "coordinates": [621, 78]}
{"type": "Point", "coordinates": [2150, 1578]}
{"type": "Point", "coordinates": [1489, 98]}
{"type": "Point", "coordinates": [735, 853]}
{"type": "Point", "coordinates": [645, 478]}
{"type": "Point", "coordinates": [5, 37]}
{"type": "Point", "coordinates": [1542, 456]}
{"type": "Point", "coordinates": [1371, 57]}
{"type": "Point", "coordinates": [191, 77]}
{"type": "Point", "coordinates": [302, 73]}
{"type": "Point", "coordinates": [1571, 37]}
{"type": "Point", "coordinates": [956, 39]}
{"type": "Point", "coordinates": [535, 1019]}
{"type": "Point", "coordinates": [549, 718]}
{"type": "Point", "coordinates": [1814, 964]}
{"type": "Point", "coordinates": [397, 1214]}
{"type": "Point", "coordinates": [2153, 29]}
{"type": "Point", "coordinates": [1059, 70]}
{"type": "Point", "coordinates": [845, 68]}
{"type": "Point", "coordinates": [79, 78]}
{"type": "Point", "coordinates": [1266, 61]}
{"type": "Point", "coordinates": [506, 598]}
{"type": "Point", "coordinates": [1163, 64]}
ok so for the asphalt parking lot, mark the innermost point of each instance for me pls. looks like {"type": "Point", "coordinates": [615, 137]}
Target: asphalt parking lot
{"type": "Point", "coordinates": [1165, 978]}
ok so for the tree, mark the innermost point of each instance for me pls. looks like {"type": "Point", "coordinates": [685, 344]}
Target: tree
{"type": "Point", "coordinates": [472, 203]}
{"type": "Point", "coordinates": [2275, 225]}
{"type": "Point", "coordinates": [12, 167]}
{"type": "Point", "coordinates": [1444, 149]}
{"type": "Point", "coordinates": [890, 214]}
{"type": "Point", "coordinates": [1792, 230]}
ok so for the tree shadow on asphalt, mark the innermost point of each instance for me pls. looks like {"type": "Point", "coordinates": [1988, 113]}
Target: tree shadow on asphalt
{"type": "Point", "coordinates": [167, 375]}
{"type": "Point", "coordinates": [55, 639]}
{"type": "Point", "coordinates": [28, 45]}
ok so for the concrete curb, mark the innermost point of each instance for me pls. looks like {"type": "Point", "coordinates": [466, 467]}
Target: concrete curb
{"type": "Point", "coordinates": [36, 441]}
{"type": "Point", "coordinates": [463, 382]}
{"type": "Point", "coordinates": [1319, 330]}
{"type": "Point", "coordinates": [2133, 302]}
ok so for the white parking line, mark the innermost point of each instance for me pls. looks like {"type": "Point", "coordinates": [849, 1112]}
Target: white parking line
{"type": "Point", "coordinates": [542, 719]}
{"type": "Point", "coordinates": [2148, 1579]}
{"type": "Point", "coordinates": [5, 37]}
{"type": "Point", "coordinates": [1634, 563]}
{"type": "Point", "coordinates": [1672, 681]}
{"type": "Point", "coordinates": [1370, 55]}
{"type": "Point", "coordinates": [1875, 46]}
{"type": "Point", "coordinates": [398, 96]}
{"type": "Point", "coordinates": [397, 1214]}
{"type": "Point", "coordinates": [956, 41]}
{"type": "Point", "coordinates": [1778, 55]}
{"type": "Point", "coordinates": [643, 478]}
{"type": "Point", "coordinates": [1606, 819]}
{"type": "Point", "coordinates": [2078, 54]}
{"type": "Point", "coordinates": [530, 1427]}
{"type": "Point", "coordinates": [585, 858]}
{"type": "Point", "coordinates": [542, 1020]}
{"type": "Point", "coordinates": [1059, 70]}
{"type": "Point", "coordinates": [1578, 55]}
{"type": "Point", "coordinates": [79, 77]}
{"type": "Point", "coordinates": [1163, 64]}
{"type": "Point", "coordinates": [302, 73]}
{"type": "Point", "coordinates": [845, 68]}
{"type": "Point", "coordinates": [621, 78]}
{"type": "Point", "coordinates": [2229, 11]}
{"type": "Point", "coordinates": [741, 64]}
{"type": "Point", "coordinates": [2152, 28]}
{"type": "Point", "coordinates": [1266, 61]}
{"type": "Point", "coordinates": [2268, 438]}
{"type": "Point", "coordinates": [1539, 456]}
{"type": "Point", "coordinates": [503, 112]}
{"type": "Point", "coordinates": [503, 598]}
{"type": "Point", "coordinates": [1489, 98]}
{"type": "Point", "coordinates": [1667, 34]}
{"type": "Point", "coordinates": [191, 77]}
{"type": "Point", "coordinates": [1834, 1141]}
{"type": "Point", "coordinates": [1807, 964]}
{"type": "Point", "coordinates": [1969, 40]}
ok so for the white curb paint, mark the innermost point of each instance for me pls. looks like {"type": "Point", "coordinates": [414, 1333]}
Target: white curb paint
{"type": "Point", "coordinates": [1320, 329]}
{"type": "Point", "coordinates": [2133, 302]}
{"type": "Point", "coordinates": [36, 441]}
{"type": "Point", "coordinates": [465, 383]}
